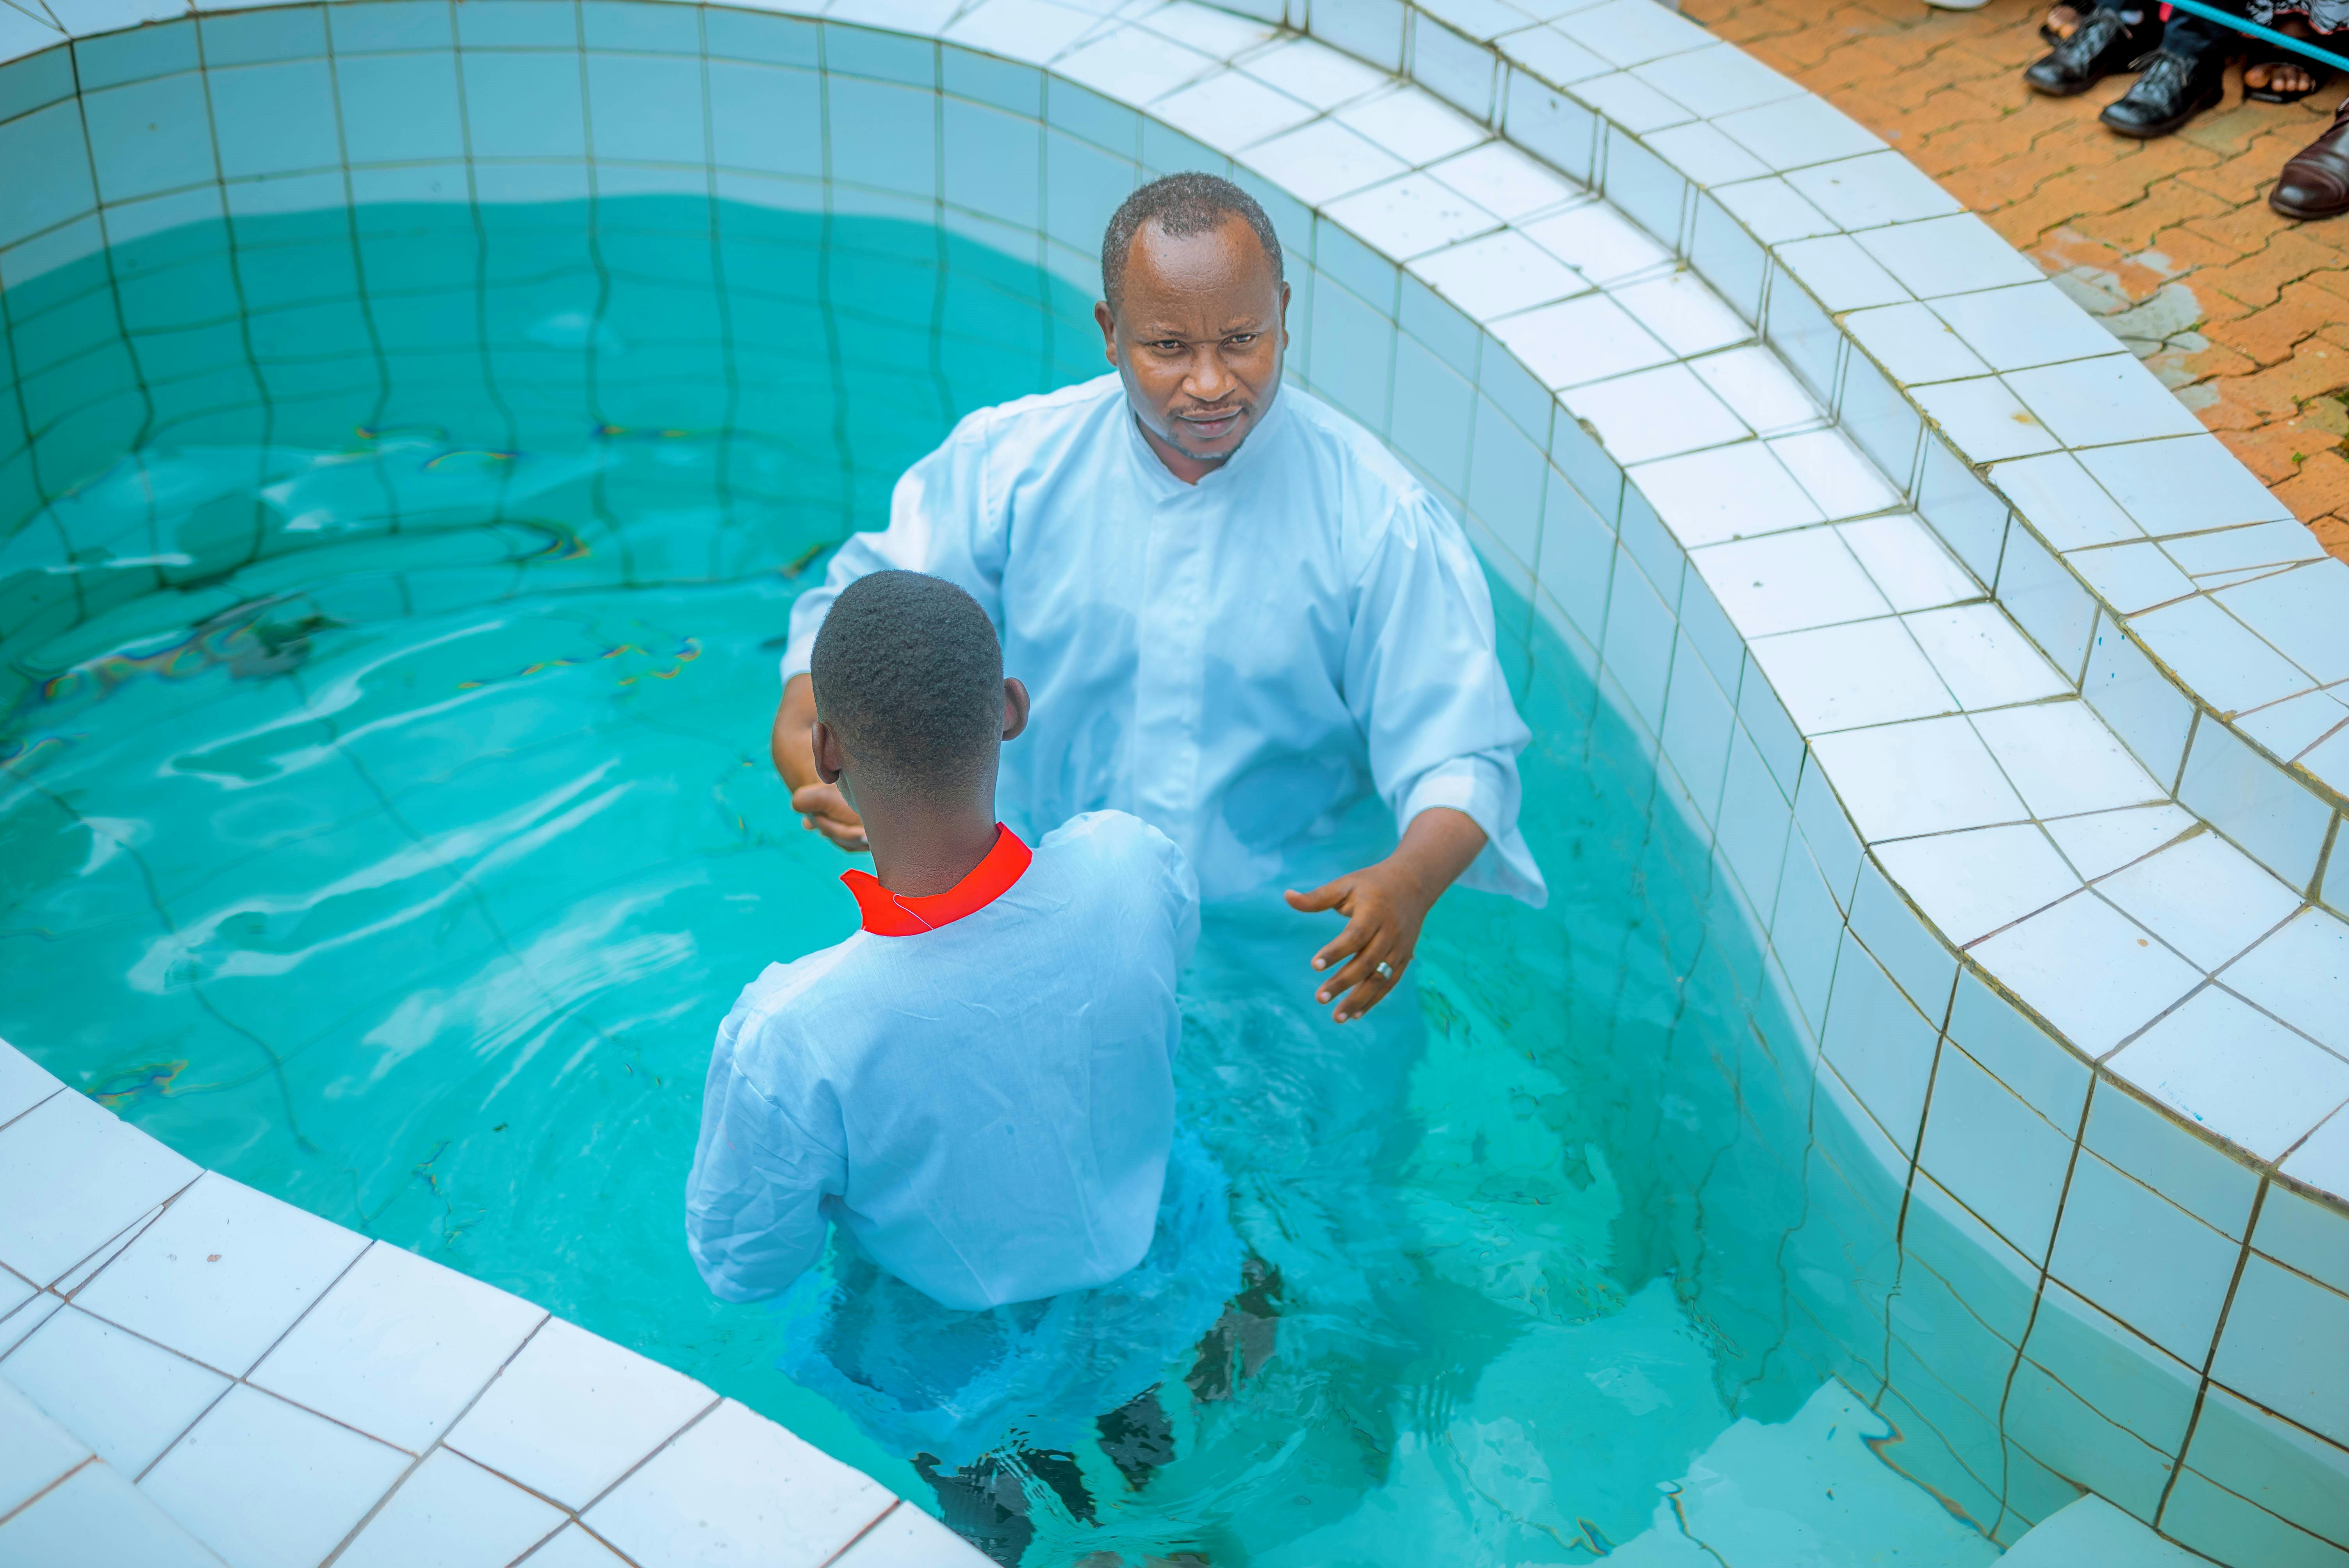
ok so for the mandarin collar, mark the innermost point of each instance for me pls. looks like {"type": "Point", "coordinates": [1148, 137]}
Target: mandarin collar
{"type": "Point", "coordinates": [886, 913]}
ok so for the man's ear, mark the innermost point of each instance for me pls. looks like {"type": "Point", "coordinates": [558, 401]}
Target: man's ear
{"type": "Point", "coordinates": [1108, 324]}
{"type": "Point", "coordinates": [1284, 313]}
{"type": "Point", "coordinates": [1015, 708]}
{"type": "Point", "coordinates": [830, 761]}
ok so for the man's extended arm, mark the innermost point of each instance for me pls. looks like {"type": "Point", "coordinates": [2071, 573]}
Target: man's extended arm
{"type": "Point", "coordinates": [1385, 904]}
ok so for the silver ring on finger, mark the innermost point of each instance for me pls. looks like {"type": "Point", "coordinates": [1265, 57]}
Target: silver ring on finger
{"type": "Point", "coordinates": [1386, 970]}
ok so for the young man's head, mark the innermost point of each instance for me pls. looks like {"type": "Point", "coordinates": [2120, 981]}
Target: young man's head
{"type": "Point", "coordinates": [910, 699]}
{"type": "Point", "coordinates": [1192, 314]}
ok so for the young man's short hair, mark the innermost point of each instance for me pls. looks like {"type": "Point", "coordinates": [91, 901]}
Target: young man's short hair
{"type": "Point", "coordinates": [908, 673]}
{"type": "Point", "coordinates": [1181, 205]}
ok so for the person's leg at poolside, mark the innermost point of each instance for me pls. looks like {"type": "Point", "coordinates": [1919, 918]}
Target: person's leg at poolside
{"type": "Point", "coordinates": [2314, 181]}
{"type": "Point", "coordinates": [2186, 75]}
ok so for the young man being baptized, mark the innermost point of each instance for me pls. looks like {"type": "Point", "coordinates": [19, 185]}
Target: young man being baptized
{"type": "Point", "coordinates": [973, 1095]}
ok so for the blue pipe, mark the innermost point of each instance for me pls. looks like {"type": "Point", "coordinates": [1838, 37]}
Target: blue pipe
{"type": "Point", "coordinates": [2242, 25]}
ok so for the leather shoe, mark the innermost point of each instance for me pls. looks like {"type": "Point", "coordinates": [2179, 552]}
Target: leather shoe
{"type": "Point", "coordinates": [2101, 44]}
{"type": "Point", "coordinates": [2315, 181]}
{"type": "Point", "coordinates": [2170, 91]}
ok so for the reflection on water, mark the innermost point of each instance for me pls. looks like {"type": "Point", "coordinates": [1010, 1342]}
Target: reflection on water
{"type": "Point", "coordinates": [385, 820]}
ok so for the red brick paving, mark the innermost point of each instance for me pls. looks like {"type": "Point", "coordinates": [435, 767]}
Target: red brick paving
{"type": "Point", "coordinates": [2243, 313]}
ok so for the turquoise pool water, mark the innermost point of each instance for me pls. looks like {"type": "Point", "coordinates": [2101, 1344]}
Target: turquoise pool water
{"type": "Point", "coordinates": [389, 612]}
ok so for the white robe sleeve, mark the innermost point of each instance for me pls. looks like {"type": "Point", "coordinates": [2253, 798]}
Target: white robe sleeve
{"type": "Point", "coordinates": [942, 521]}
{"type": "Point", "coordinates": [1426, 688]}
{"type": "Point", "coordinates": [754, 1217]}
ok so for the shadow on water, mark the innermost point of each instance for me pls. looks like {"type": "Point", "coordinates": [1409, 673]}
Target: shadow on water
{"type": "Point", "coordinates": [388, 622]}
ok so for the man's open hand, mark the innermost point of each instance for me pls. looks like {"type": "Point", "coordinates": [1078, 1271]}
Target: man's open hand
{"type": "Point", "coordinates": [1384, 906]}
{"type": "Point", "coordinates": [822, 809]}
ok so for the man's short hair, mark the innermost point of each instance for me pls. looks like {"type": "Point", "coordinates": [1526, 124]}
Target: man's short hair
{"type": "Point", "coordinates": [909, 675]}
{"type": "Point", "coordinates": [1182, 205]}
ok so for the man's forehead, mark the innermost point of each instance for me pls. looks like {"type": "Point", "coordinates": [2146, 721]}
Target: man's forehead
{"type": "Point", "coordinates": [1228, 256]}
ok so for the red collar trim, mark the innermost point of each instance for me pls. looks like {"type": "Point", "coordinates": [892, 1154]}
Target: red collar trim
{"type": "Point", "coordinates": [887, 915]}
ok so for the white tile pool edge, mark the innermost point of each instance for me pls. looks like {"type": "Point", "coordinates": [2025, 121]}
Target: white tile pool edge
{"type": "Point", "coordinates": [294, 1391]}
{"type": "Point", "coordinates": [1933, 1065]}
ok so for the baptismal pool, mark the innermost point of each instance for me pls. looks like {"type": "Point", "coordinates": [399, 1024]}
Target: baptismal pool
{"type": "Point", "coordinates": [388, 823]}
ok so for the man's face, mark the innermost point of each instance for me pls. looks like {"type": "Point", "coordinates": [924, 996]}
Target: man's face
{"type": "Point", "coordinates": [1198, 339]}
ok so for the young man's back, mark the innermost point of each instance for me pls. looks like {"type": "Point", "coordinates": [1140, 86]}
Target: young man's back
{"type": "Point", "coordinates": [978, 1086]}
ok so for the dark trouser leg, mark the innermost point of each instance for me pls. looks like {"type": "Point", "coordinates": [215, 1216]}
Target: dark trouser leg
{"type": "Point", "coordinates": [1244, 1335]}
{"type": "Point", "coordinates": [1138, 1438]}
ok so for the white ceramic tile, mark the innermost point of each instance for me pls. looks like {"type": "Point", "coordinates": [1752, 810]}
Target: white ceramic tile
{"type": "Point", "coordinates": [1314, 73]}
{"type": "Point", "coordinates": [2323, 1159]}
{"type": "Point", "coordinates": [1134, 65]}
{"type": "Point", "coordinates": [1838, 677]}
{"type": "Point", "coordinates": [1774, 213]}
{"type": "Point", "coordinates": [571, 1413]}
{"type": "Point", "coordinates": [15, 1292]}
{"type": "Point", "coordinates": [1721, 79]}
{"type": "Point", "coordinates": [735, 1484]}
{"type": "Point", "coordinates": [1221, 33]}
{"type": "Point", "coordinates": [1413, 124]}
{"type": "Point", "coordinates": [2064, 760]}
{"type": "Point", "coordinates": [2093, 1531]}
{"type": "Point", "coordinates": [1502, 180]}
{"type": "Point", "coordinates": [123, 1396]}
{"type": "Point", "coordinates": [267, 1485]}
{"type": "Point", "coordinates": [575, 1548]}
{"type": "Point", "coordinates": [1874, 189]}
{"type": "Point", "coordinates": [2204, 897]}
{"type": "Point", "coordinates": [1797, 132]}
{"type": "Point", "coordinates": [1984, 420]}
{"type": "Point", "coordinates": [1994, 1153]}
{"type": "Point", "coordinates": [2064, 501]}
{"type": "Point", "coordinates": [2300, 973]}
{"type": "Point", "coordinates": [909, 1538]}
{"type": "Point", "coordinates": [1654, 413]}
{"type": "Point", "coordinates": [1552, 56]}
{"type": "Point", "coordinates": [1230, 111]}
{"type": "Point", "coordinates": [2024, 324]}
{"type": "Point", "coordinates": [1726, 492]}
{"type": "Point", "coordinates": [2184, 485]}
{"type": "Point", "coordinates": [82, 1273]}
{"type": "Point", "coordinates": [398, 1347]}
{"type": "Point", "coordinates": [1680, 310]}
{"type": "Point", "coordinates": [1902, 779]}
{"type": "Point", "coordinates": [97, 1519]}
{"type": "Point", "coordinates": [1969, 883]}
{"type": "Point", "coordinates": [1411, 216]}
{"type": "Point", "coordinates": [2094, 402]}
{"type": "Point", "coordinates": [452, 1514]}
{"type": "Point", "coordinates": [1912, 343]}
{"type": "Point", "coordinates": [2103, 842]}
{"type": "Point", "coordinates": [1983, 656]}
{"type": "Point", "coordinates": [1588, 338]}
{"type": "Point", "coordinates": [2148, 1140]}
{"type": "Point", "coordinates": [1322, 160]}
{"type": "Point", "coordinates": [2288, 727]}
{"type": "Point", "coordinates": [34, 1451]}
{"type": "Point", "coordinates": [1912, 568]}
{"type": "Point", "coordinates": [2229, 552]}
{"type": "Point", "coordinates": [2287, 1345]}
{"type": "Point", "coordinates": [75, 1176]}
{"type": "Point", "coordinates": [1024, 29]}
{"type": "Point", "coordinates": [222, 1274]}
{"type": "Point", "coordinates": [1703, 153]}
{"type": "Point", "coordinates": [1761, 392]}
{"type": "Point", "coordinates": [2131, 578]}
{"type": "Point", "coordinates": [2143, 1259]}
{"type": "Point", "coordinates": [1499, 274]}
{"type": "Point", "coordinates": [24, 1083]}
{"type": "Point", "coordinates": [1630, 32]}
{"type": "Point", "coordinates": [2236, 1071]}
{"type": "Point", "coordinates": [1955, 254]}
{"type": "Point", "coordinates": [2218, 657]}
{"type": "Point", "coordinates": [1631, 103]}
{"type": "Point", "coordinates": [2088, 970]}
{"type": "Point", "coordinates": [18, 1325]}
{"type": "Point", "coordinates": [1788, 581]}
{"type": "Point", "coordinates": [1597, 242]}
{"type": "Point", "coordinates": [1841, 275]}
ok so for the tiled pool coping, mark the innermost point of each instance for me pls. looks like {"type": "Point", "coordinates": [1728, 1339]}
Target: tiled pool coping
{"type": "Point", "coordinates": [191, 1371]}
{"type": "Point", "coordinates": [1863, 723]}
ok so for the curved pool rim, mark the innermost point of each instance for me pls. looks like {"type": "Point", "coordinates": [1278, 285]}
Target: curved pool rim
{"type": "Point", "coordinates": [1859, 927]}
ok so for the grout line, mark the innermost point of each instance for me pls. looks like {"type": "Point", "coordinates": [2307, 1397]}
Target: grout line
{"type": "Point", "coordinates": [2218, 1335]}
{"type": "Point", "coordinates": [80, 1465]}
{"type": "Point", "coordinates": [878, 1519]}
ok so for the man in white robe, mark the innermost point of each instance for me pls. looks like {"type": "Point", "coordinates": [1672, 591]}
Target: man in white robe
{"type": "Point", "coordinates": [1239, 612]}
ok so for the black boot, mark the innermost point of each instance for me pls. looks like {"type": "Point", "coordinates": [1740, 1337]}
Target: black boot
{"type": "Point", "coordinates": [2101, 44]}
{"type": "Point", "coordinates": [2170, 91]}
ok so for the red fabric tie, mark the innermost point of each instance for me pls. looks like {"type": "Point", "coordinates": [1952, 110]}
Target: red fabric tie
{"type": "Point", "coordinates": [887, 915]}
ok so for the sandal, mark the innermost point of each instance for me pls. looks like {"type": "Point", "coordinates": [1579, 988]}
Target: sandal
{"type": "Point", "coordinates": [2317, 76]}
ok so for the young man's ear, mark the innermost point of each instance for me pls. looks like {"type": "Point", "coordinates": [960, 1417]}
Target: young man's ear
{"type": "Point", "coordinates": [828, 755]}
{"type": "Point", "coordinates": [1015, 708]}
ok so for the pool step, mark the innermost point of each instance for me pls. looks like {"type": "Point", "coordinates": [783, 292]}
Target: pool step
{"type": "Point", "coordinates": [2093, 1531]}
